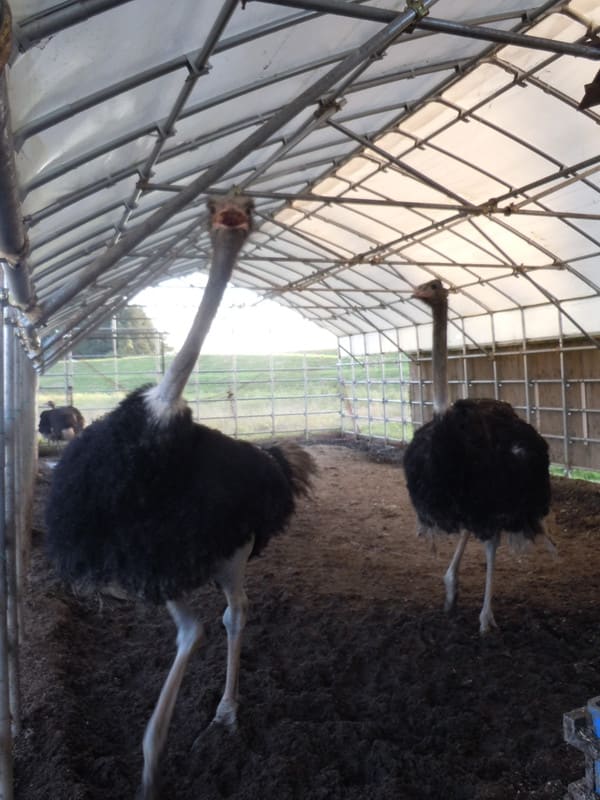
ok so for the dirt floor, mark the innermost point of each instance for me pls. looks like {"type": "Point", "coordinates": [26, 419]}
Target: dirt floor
{"type": "Point", "coordinates": [355, 684]}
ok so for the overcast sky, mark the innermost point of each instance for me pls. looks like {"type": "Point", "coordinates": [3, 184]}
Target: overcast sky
{"type": "Point", "coordinates": [242, 325]}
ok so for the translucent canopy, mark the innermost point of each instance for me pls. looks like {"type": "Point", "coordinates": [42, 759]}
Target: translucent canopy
{"type": "Point", "coordinates": [384, 143]}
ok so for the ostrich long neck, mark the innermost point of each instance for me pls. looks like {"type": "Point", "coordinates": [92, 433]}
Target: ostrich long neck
{"type": "Point", "coordinates": [439, 357]}
{"type": "Point", "coordinates": [227, 244]}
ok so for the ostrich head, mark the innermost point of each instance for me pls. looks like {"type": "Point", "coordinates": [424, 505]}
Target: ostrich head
{"type": "Point", "coordinates": [433, 293]}
{"type": "Point", "coordinates": [230, 212]}
{"type": "Point", "coordinates": [230, 224]}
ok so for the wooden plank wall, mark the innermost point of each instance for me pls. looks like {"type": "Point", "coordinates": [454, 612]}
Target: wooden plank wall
{"type": "Point", "coordinates": [556, 388]}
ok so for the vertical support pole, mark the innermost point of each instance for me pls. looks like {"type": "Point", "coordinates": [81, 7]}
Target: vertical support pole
{"type": "Point", "coordinates": [352, 400]}
{"type": "Point", "coordinates": [495, 374]}
{"type": "Point", "coordinates": [585, 430]}
{"type": "Point", "coordinates": [420, 383]}
{"type": "Point", "coordinates": [526, 372]}
{"type": "Point", "coordinates": [6, 745]}
{"type": "Point", "coordinates": [305, 385]}
{"type": "Point", "coordinates": [29, 457]}
{"type": "Point", "coordinates": [70, 377]}
{"type": "Point", "coordinates": [368, 393]}
{"type": "Point", "coordinates": [536, 404]}
{"type": "Point", "coordinates": [383, 392]}
{"type": "Point", "coordinates": [114, 336]}
{"type": "Point", "coordinates": [340, 382]}
{"type": "Point", "coordinates": [21, 486]}
{"type": "Point", "coordinates": [563, 396]}
{"type": "Point", "coordinates": [162, 355]}
{"type": "Point", "coordinates": [196, 377]}
{"type": "Point", "coordinates": [234, 392]}
{"type": "Point", "coordinates": [11, 400]}
{"type": "Point", "coordinates": [465, 380]}
{"type": "Point", "coordinates": [272, 388]}
{"type": "Point", "coordinates": [65, 381]}
{"type": "Point", "coordinates": [404, 393]}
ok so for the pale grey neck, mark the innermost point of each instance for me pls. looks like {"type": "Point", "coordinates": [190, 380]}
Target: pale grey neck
{"type": "Point", "coordinates": [439, 357]}
{"type": "Point", "coordinates": [171, 387]}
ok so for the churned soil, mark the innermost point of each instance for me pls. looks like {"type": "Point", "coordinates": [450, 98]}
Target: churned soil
{"type": "Point", "coordinates": [354, 684]}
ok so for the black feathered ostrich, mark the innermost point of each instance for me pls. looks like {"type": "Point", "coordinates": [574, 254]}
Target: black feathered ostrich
{"type": "Point", "coordinates": [476, 467]}
{"type": "Point", "coordinates": [149, 500]}
{"type": "Point", "coordinates": [61, 423]}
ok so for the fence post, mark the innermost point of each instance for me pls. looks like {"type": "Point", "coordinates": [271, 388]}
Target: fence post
{"type": "Point", "coordinates": [305, 385]}
{"type": "Point", "coordinates": [272, 386]}
{"type": "Point", "coordinates": [234, 391]}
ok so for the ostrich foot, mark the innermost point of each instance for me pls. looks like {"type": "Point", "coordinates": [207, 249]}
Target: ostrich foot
{"type": "Point", "coordinates": [222, 721]}
{"type": "Point", "coordinates": [226, 717]}
{"type": "Point", "coordinates": [451, 604]}
{"type": "Point", "coordinates": [149, 791]}
{"type": "Point", "coordinates": [486, 621]}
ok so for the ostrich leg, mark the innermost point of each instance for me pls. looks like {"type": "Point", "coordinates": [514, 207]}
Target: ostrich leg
{"type": "Point", "coordinates": [451, 576]}
{"type": "Point", "coordinates": [231, 580]}
{"type": "Point", "coordinates": [486, 618]}
{"type": "Point", "coordinates": [190, 633]}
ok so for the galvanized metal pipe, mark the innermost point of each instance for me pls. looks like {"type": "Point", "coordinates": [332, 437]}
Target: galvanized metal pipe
{"type": "Point", "coordinates": [11, 403]}
{"type": "Point", "coordinates": [505, 37]}
{"type": "Point", "coordinates": [13, 240]}
{"type": "Point", "coordinates": [28, 459]}
{"type": "Point", "coordinates": [133, 237]}
{"type": "Point", "coordinates": [428, 23]}
{"type": "Point", "coordinates": [6, 739]}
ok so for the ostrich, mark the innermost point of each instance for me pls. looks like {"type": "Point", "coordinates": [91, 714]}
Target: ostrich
{"type": "Point", "coordinates": [62, 423]}
{"type": "Point", "coordinates": [151, 502]}
{"type": "Point", "coordinates": [476, 467]}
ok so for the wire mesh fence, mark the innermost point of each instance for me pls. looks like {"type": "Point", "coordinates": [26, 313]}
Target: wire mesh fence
{"type": "Point", "coordinates": [293, 394]}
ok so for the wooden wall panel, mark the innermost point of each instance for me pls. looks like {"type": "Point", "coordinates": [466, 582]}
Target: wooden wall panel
{"type": "Point", "coordinates": [555, 388]}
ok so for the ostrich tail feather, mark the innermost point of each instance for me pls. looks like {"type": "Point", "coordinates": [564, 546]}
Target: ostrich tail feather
{"type": "Point", "coordinates": [298, 464]}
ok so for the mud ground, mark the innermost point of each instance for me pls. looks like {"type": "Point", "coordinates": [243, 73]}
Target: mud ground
{"type": "Point", "coordinates": [355, 685]}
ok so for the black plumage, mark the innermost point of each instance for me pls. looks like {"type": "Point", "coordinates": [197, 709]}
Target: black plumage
{"type": "Point", "coordinates": [156, 509]}
{"type": "Point", "coordinates": [480, 467]}
{"type": "Point", "coordinates": [60, 423]}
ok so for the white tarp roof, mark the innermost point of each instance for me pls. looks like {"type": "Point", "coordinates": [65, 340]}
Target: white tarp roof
{"type": "Point", "coordinates": [375, 163]}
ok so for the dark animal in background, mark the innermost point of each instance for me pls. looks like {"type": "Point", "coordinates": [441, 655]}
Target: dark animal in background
{"type": "Point", "coordinates": [159, 505]}
{"type": "Point", "coordinates": [476, 467]}
{"type": "Point", "coordinates": [61, 424]}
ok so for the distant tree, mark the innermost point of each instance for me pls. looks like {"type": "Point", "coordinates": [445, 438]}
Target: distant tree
{"type": "Point", "coordinates": [135, 335]}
